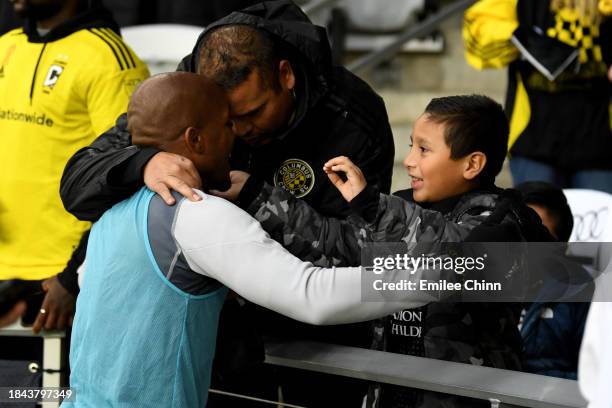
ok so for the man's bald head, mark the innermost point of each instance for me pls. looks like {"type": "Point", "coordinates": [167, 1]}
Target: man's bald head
{"type": "Point", "coordinates": [186, 114]}
{"type": "Point", "coordinates": [165, 105]}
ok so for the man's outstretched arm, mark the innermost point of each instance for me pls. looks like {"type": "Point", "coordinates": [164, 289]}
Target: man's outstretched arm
{"type": "Point", "coordinates": [223, 242]}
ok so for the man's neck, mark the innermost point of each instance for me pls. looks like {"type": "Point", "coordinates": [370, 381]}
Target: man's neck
{"type": "Point", "coordinates": [66, 13]}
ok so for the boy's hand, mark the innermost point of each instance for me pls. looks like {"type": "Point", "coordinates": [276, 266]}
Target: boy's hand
{"type": "Point", "coordinates": [238, 179]}
{"type": "Point", "coordinates": [355, 181]}
{"type": "Point", "coordinates": [169, 171]}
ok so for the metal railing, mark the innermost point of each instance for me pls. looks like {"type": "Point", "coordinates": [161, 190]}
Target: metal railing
{"type": "Point", "coordinates": [490, 384]}
{"type": "Point", "coordinates": [53, 356]}
{"type": "Point", "coordinates": [317, 5]}
{"type": "Point", "coordinates": [421, 29]}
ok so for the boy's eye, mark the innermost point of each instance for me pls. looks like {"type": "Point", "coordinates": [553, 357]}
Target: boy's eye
{"type": "Point", "coordinates": [422, 149]}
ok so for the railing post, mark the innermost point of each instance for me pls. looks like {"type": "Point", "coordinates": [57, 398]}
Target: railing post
{"type": "Point", "coordinates": [423, 28]}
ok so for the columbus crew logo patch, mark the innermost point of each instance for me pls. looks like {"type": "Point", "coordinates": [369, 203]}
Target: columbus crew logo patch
{"type": "Point", "coordinates": [295, 176]}
{"type": "Point", "coordinates": [54, 73]}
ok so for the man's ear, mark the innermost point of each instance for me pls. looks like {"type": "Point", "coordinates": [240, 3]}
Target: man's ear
{"type": "Point", "coordinates": [474, 165]}
{"type": "Point", "coordinates": [286, 76]}
{"type": "Point", "coordinates": [194, 140]}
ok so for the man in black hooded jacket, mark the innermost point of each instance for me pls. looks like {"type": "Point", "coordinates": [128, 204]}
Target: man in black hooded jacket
{"type": "Point", "coordinates": [291, 110]}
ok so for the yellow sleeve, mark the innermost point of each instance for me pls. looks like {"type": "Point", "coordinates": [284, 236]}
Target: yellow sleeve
{"type": "Point", "coordinates": [487, 30]}
{"type": "Point", "coordinates": [109, 92]}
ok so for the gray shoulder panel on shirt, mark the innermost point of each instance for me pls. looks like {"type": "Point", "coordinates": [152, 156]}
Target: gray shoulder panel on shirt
{"type": "Point", "coordinates": [167, 253]}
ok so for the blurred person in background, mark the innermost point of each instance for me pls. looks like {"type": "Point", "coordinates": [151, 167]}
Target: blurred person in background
{"type": "Point", "coordinates": [64, 77]}
{"type": "Point", "coordinates": [558, 54]}
{"type": "Point", "coordinates": [552, 331]}
{"type": "Point", "coordinates": [9, 20]}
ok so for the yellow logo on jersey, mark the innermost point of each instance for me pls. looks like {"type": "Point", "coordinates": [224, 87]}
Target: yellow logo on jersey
{"type": "Point", "coordinates": [53, 75]}
{"type": "Point", "coordinates": [295, 176]}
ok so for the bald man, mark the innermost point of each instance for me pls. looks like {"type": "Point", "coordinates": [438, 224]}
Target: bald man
{"type": "Point", "coordinates": [156, 276]}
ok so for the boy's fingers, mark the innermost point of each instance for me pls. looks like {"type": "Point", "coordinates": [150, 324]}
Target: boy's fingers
{"type": "Point", "coordinates": [335, 160]}
{"type": "Point", "coordinates": [339, 160]}
{"type": "Point", "coordinates": [335, 179]}
{"type": "Point", "coordinates": [345, 168]}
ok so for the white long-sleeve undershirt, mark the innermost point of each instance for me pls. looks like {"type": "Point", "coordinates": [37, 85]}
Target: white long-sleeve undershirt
{"type": "Point", "coordinates": [223, 242]}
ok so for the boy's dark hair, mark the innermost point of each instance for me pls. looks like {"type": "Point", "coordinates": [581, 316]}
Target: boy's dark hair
{"type": "Point", "coordinates": [554, 201]}
{"type": "Point", "coordinates": [473, 123]}
{"type": "Point", "coordinates": [229, 54]}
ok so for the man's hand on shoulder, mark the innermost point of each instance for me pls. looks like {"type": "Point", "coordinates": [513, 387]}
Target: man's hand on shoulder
{"type": "Point", "coordinates": [238, 179]}
{"type": "Point", "coordinates": [169, 171]}
{"type": "Point", "coordinates": [57, 309]}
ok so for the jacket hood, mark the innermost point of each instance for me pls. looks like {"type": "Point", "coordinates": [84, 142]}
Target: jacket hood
{"type": "Point", "coordinates": [307, 43]}
{"type": "Point", "coordinates": [93, 16]}
{"type": "Point", "coordinates": [510, 220]}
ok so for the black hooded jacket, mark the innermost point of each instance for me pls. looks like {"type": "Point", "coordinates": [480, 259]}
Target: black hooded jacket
{"type": "Point", "coordinates": [337, 114]}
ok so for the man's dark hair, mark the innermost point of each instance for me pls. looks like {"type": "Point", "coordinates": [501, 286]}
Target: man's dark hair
{"type": "Point", "coordinates": [229, 54]}
{"type": "Point", "coordinates": [473, 123]}
{"type": "Point", "coordinates": [554, 201]}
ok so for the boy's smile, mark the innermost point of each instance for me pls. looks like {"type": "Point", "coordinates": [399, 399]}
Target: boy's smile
{"type": "Point", "coordinates": [435, 175]}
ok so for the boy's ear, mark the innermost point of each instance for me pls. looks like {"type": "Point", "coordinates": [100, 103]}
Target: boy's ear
{"type": "Point", "coordinates": [474, 164]}
{"type": "Point", "coordinates": [194, 140]}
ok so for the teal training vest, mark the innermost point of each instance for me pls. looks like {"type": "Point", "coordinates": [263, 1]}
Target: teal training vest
{"type": "Point", "coordinates": [138, 340]}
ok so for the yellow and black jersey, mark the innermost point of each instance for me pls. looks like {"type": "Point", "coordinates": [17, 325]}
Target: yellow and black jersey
{"type": "Point", "coordinates": [57, 93]}
{"type": "Point", "coordinates": [558, 99]}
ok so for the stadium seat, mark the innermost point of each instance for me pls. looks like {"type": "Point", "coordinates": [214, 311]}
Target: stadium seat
{"type": "Point", "coordinates": [370, 15]}
{"type": "Point", "coordinates": [161, 46]}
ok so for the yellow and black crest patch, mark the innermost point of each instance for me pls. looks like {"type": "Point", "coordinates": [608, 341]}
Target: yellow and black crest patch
{"type": "Point", "coordinates": [295, 176]}
{"type": "Point", "coordinates": [53, 74]}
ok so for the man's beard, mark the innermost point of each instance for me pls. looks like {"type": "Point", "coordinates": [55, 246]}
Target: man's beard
{"type": "Point", "coordinates": [39, 12]}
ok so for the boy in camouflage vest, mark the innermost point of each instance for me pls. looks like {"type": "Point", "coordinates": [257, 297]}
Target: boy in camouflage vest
{"type": "Point", "coordinates": [458, 148]}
